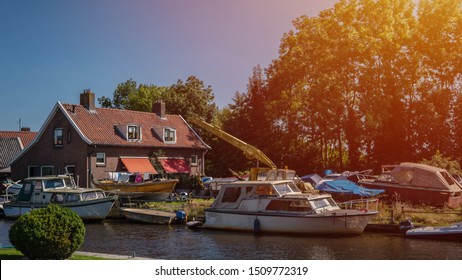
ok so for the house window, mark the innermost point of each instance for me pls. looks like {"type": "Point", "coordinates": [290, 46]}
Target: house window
{"type": "Point", "coordinates": [69, 136]}
{"type": "Point", "coordinates": [169, 135]}
{"type": "Point", "coordinates": [133, 133]}
{"type": "Point", "coordinates": [33, 170]}
{"type": "Point", "coordinates": [193, 160]}
{"type": "Point", "coordinates": [100, 159]}
{"type": "Point", "coordinates": [58, 137]}
{"type": "Point", "coordinates": [47, 170]}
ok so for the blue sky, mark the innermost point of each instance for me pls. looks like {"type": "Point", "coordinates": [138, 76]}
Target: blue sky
{"type": "Point", "coordinates": [51, 50]}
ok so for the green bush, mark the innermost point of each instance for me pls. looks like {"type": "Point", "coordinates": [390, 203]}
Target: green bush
{"type": "Point", "coordinates": [48, 233]}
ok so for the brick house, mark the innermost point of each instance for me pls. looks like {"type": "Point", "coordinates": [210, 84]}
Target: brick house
{"type": "Point", "coordinates": [90, 142]}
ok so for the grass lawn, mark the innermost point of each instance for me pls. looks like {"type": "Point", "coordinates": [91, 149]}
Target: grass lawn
{"type": "Point", "coordinates": [13, 254]}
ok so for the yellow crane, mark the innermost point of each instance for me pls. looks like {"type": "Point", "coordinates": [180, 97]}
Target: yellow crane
{"type": "Point", "coordinates": [268, 173]}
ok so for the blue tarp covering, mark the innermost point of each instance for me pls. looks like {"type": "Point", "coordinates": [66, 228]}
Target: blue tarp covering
{"type": "Point", "coordinates": [347, 187]}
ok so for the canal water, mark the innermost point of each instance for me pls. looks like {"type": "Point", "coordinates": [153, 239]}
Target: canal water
{"type": "Point", "coordinates": [177, 242]}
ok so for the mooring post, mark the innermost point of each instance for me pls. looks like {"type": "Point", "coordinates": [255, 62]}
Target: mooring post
{"type": "Point", "coordinates": [392, 216]}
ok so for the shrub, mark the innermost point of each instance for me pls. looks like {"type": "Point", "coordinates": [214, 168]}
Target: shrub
{"type": "Point", "coordinates": [48, 233]}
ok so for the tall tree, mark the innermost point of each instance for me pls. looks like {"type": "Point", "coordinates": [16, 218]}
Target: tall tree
{"type": "Point", "coordinates": [183, 98]}
{"type": "Point", "coordinates": [439, 45]}
{"type": "Point", "coordinates": [191, 97]}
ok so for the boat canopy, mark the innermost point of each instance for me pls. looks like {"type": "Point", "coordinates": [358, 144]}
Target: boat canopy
{"type": "Point", "coordinates": [425, 176]}
{"type": "Point", "coordinates": [347, 187]}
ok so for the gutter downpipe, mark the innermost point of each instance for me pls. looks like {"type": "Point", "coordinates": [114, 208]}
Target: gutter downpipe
{"type": "Point", "coordinates": [89, 165]}
{"type": "Point", "coordinates": [203, 162]}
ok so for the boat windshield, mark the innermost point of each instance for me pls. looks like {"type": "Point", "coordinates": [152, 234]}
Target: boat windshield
{"type": "Point", "coordinates": [54, 183]}
{"type": "Point", "coordinates": [285, 188]}
{"type": "Point", "coordinates": [92, 195]}
{"type": "Point", "coordinates": [323, 203]}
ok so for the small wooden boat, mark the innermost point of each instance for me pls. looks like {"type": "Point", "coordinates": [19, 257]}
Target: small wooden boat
{"type": "Point", "coordinates": [144, 191]}
{"type": "Point", "coordinates": [149, 216]}
{"type": "Point", "coordinates": [451, 232]}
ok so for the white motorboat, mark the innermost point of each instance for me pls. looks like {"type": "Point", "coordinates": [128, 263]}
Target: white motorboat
{"type": "Point", "coordinates": [280, 207]}
{"type": "Point", "coordinates": [38, 192]}
{"type": "Point", "coordinates": [451, 232]}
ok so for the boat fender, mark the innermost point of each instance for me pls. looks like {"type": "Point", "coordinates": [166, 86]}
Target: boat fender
{"type": "Point", "coordinates": [256, 226]}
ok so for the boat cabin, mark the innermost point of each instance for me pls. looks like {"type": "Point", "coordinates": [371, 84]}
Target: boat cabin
{"type": "Point", "coordinates": [273, 196]}
{"type": "Point", "coordinates": [55, 189]}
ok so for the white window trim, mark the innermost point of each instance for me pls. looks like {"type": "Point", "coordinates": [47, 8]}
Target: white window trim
{"type": "Point", "coordinates": [104, 159]}
{"type": "Point", "coordinates": [54, 137]}
{"type": "Point", "coordinates": [194, 162]}
{"type": "Point", "coordinates": [165, 135]}
{"type": "Point", "coordinates": [138, 129]}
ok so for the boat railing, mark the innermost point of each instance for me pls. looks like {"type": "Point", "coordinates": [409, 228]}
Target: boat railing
{"type": "Point", "coordinates": [361, 204]}
{"type": "Point", "coordinates": [7, 196]}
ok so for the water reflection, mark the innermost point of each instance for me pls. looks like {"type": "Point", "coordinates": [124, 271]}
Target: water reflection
{"type": "Point", "coordinates": [179, 242]}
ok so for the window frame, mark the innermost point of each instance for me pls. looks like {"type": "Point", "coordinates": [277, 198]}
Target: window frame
{"type": "Point", "coordinates": [32, 168]}
{"type": "Point", "coordinates": [194, 160]}
{"type": "Point", "coordinates": [44, 167]}
{"type": "Point", "coordinates": [103, 163]}
{"type": "Point", "coordinates": [168, 138]}
{"type": "Point", "coordinates": [58, 140]}
{"type": "Point", "coordinates": [133, 136]}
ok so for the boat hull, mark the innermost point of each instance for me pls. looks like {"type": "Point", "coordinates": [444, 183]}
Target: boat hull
{"type": "Point", "coordinates": [453, 232]}
{"type": "Point", "coordinates": [93, 210]}
{"type": "Point", "coordinates": [341, 223]}
{"type": "Point", "coordinates": [146, 191]}
{"type": "Point", "coordinates": [149, 216]}
{"type": "Point", "coordinates": [412, 194]}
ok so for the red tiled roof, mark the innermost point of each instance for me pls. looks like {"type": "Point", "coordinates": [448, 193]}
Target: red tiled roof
{"type": "Point", "coordinates": [99, 127]}
{"type": "Point", "coordinates": [25, 136]}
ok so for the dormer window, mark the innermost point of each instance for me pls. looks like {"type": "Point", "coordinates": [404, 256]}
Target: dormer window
{"type": "Point", "coordinates": [169, 135]}
{"type": "Point", "coordinates": [133, 133]}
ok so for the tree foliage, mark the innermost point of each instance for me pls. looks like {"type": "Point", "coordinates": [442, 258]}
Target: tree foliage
{"type": "Point", "coordinates": [365, 83]}
{"type": "Point", "coordinates": [439, 160]}
{"type": "Point", "coordinates": [187, 98]}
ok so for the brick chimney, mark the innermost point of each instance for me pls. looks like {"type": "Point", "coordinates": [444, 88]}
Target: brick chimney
{"type": "Point", "coordinates": [87, 99]}
{"type": "Point", "coordinates": [25, 129]}
{"type": "Point", "coordinates": [158, 107]}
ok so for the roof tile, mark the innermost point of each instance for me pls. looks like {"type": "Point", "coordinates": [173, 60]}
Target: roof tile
{"type": "Point", "coordinates": [99, 127]}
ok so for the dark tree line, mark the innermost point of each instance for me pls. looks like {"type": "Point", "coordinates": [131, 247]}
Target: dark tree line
{"type": "Point", "coordinates": [366, 83]}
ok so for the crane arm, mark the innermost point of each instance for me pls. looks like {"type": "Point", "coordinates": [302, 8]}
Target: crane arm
{"type": "Point", "coordinates": [249, 150]}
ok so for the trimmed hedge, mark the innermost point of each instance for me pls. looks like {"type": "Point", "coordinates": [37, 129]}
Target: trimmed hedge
{"type": "Point", "coordinates": [52, 233]}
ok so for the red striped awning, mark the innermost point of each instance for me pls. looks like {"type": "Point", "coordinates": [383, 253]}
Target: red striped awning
{"type": "Point", "coordinates": [141, 165]}
{"type": "Point", "coordinates": [175, 165]}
